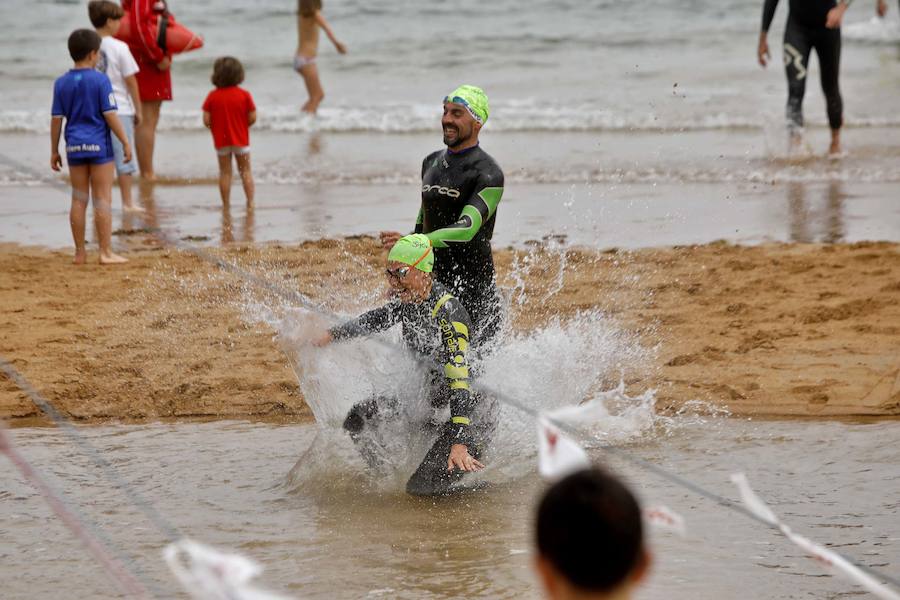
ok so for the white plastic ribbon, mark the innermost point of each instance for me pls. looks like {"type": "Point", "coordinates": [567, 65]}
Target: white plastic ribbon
{"type": "Point", "coordinates": [208, 574]}
{"type": "Point", "coordinates": [831, 561]}
{"type": "Point", "coordinates": [558, 454]}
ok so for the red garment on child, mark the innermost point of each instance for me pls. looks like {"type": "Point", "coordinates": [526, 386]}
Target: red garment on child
{"type": "Point", "coordinates": [228, 109]}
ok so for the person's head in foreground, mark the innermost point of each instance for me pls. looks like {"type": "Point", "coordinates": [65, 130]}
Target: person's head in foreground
{"type": "Point", "coordinates": [409, 266]}
{"type": "Point", "coordinates": [590, 540]}
{"type": "Point", "coordinates": [465, 113]}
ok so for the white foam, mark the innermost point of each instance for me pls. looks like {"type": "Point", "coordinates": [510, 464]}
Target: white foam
{"type": "Point", "coordinates": [875, 30]}
{"type": "Point", "coordinates": [525, 115]}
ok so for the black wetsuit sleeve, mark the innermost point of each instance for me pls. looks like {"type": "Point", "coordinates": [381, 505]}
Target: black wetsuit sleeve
{"type": "Point", "coordinates": [373, 321]}
{"type": "Point", "coordinates": [480, 207]}
{"type": "Point", "coordinates": [769, 7]}
{"type": "Point", "coordinates": [420, 221]}
{"type": "Point", "coordinates": [420, 218]}
{"type": "Point", "coordinates": [454, 324]}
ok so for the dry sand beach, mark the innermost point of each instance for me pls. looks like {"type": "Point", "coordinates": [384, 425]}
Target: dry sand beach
{"type": "Point", "coordinates": [775, 330]}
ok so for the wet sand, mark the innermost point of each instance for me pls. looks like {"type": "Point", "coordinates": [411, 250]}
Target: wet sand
{"type": "Point", "coordinates": [773, 330]}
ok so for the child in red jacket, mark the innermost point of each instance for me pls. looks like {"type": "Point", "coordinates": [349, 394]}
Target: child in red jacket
{"type": "Point", "coordinates": [229, 112]}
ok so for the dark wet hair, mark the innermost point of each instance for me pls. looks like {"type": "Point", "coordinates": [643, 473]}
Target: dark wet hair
{"type": "Point", "coordinates": [101, 11]}
{"type": "Point", "coordinates": [589, 527]}
{"type": "Point", "coordinates": [308, 8]}
{"type": "Point", "coordinates": [82, 42]}
{"type": "Point", "coordinates": [227, 71]}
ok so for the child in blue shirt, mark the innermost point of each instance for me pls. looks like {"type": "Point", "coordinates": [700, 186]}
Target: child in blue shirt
{"type": "Point", "coordinates": [84, 98]}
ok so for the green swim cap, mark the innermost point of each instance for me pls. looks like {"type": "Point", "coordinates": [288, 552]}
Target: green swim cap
{"type": "Point", "coordinates": [414, 250]}
{"type": "Point", "coordinates": [473, 98]}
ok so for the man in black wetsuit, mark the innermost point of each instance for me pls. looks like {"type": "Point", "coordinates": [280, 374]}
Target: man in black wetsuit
{"type": "Point", "coordinates": [810, 24]}
{"type": "Point", "coordinates": [436, 327]}
{"type": "Point", "coordinates": [461, 189]}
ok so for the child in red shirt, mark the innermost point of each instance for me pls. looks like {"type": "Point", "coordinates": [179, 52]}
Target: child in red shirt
{"type": "Point", "coordinates": [229, 112]}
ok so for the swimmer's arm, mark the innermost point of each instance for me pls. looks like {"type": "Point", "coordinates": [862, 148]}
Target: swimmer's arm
{"type": "Point", "coordinates": [456, 371]}
{"type": "Point", "coordinates": [768, 14]}
{"type": "Point", "coordinates": [251, 118]}
{"type": "Point", "coordinates": [55, 131]}
{"type": "Point", "coordinates": [320, 20]}
{"type": "Point", "coordinates": [477, 210]}
{"type": "Point", "coordinates": [207, 119]}
{"type": "Point", "coordinates": [420, 221]}
{"type": "Point", "coordinates": [367, 323]}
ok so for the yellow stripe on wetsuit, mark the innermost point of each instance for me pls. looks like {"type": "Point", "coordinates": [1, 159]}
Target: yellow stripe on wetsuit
{"type": "Point", "coordinates": [441, 301]}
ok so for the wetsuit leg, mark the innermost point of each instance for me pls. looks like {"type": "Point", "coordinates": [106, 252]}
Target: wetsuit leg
{"type": "Point", "coordinates": [797, 46]}
{"type": "Point", "coordinates": [362, 422]}
{"type": "Point", "coordinates": [828, 49]}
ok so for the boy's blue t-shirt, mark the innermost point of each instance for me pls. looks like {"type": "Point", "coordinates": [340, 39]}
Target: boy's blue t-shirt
{"type": "Point", "coordinates": [82, 96]}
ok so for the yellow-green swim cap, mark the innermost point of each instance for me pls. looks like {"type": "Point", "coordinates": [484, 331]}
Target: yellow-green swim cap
{"type": "Point", "coordinates": [473, 98]}
{"type": "Point", "coordinates": [414, 250]}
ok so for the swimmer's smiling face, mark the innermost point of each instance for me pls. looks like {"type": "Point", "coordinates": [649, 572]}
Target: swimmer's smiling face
{"type": "Point", "coordinates": [408, 284]}
{"type": "Point", "coordinates": [460, 128]}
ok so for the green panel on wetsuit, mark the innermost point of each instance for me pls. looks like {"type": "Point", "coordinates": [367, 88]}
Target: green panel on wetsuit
{"type": "Point", "coordinates": [440, 237]}
{"type": "Point", "coordinates": [455, 372]}
{"type": "Point", "coordinates": [491, 197]}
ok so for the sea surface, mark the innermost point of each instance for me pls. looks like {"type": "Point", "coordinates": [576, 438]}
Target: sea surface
{"type": "Point", "coordinates": [607, 107]}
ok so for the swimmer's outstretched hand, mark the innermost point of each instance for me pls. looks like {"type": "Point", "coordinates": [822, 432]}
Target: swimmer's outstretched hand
{"type": "Point", "coordinates": [762, 51]}
{"type": "Point", "coordinates": [389, 238]}
{"type": "Point", "coordinates": [322, 339]}
{"type": "Point", "coordinates": [461, 459]}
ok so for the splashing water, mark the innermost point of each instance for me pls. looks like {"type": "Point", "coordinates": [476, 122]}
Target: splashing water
{"type": "Point", "coordinates": [563, 363]}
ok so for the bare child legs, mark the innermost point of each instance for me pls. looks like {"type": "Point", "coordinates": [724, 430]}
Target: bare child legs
{"type": "Point", "coordinates": [79, 174]}
{"type": "Point", "coordinates": [145, 137]}
{"type": "Point", "coordinates": [93, 181]}
{"type": "Point", "coordinates": [101, 177]}
{"type": "Point", "coordinates": [243, 165]}
{"type": "Point", "coordinates": [310, 74]}
{"type": "Point", "coordinates": [225, 177]}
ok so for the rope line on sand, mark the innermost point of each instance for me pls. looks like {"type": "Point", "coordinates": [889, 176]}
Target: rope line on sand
{"type": "Point", "coordinates": [308, 304]}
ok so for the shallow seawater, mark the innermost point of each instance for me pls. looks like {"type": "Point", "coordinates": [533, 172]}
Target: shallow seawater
{"type": "Point", "coordinates": [340, 536]}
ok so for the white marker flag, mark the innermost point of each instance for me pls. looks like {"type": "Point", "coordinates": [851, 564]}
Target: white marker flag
{"type": "Point", "coordinates": [207, 574]}
{"type": "Point", "coordinates": [558, 454]}
{"type": "Point", "coordinates": [832, 561]}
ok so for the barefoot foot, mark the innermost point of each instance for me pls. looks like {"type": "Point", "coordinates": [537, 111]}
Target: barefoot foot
{"type": "Point", "coordinates": [112, 259]}
{"type": "Point", "coordinates": [131, 208]}
{"type": "Point", "coordinates": [80, 258]}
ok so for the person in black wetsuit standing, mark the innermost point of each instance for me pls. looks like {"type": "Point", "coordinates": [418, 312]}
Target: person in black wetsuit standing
{"type": "Point", "coordinates": [461, 189]}
{"type": "Point", "coordinates": [810, 24]}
